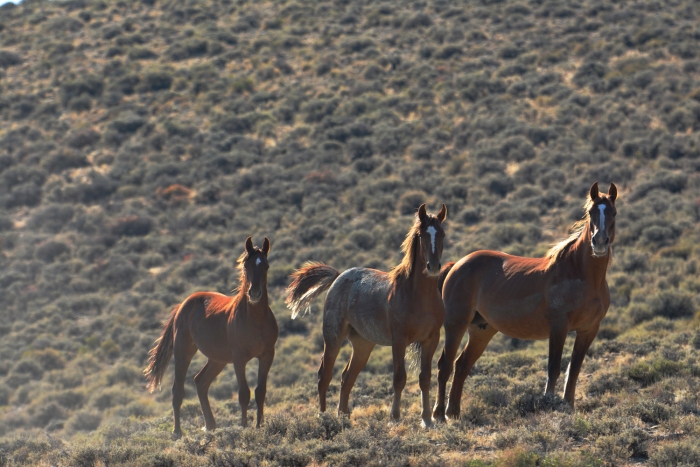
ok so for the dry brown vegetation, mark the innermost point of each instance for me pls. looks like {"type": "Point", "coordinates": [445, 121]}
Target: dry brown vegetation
{"type": "Point", "coordinates": [142, 142]}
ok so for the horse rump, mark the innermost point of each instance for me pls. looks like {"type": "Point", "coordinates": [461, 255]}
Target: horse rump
{"type": "Point", "coordinates": [443, 275]}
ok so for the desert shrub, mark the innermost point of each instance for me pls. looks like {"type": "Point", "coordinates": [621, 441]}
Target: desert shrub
{"type": "Point", "coordinates": [47, 413]}
{"type": "Point", "coordinates": [49, 251]}
{"type": "Point", "coordinates": [132, 226]}
{"type": "Point", "coordinates": [8, 59]}
{"type": "Point", "coordinates": [84, 420]}
{"type": "Point", "coordinates": [51, 218]}
{"type": "Point", "coordinates": [117, 274]}
{"type": "Point", "coordinates": [64, 160]}
{"type": "Point", "coordinates": [410, 202]}
{"type": "Point", "coordinates": [648, 373]}
{"type": "Point", "coordinates": [89, 85]}
{"type": "Point", "coordinates": [313, 234]}
{"type": "Point", "coordinates": [128, 123]}
{"type": "Point", "coordinates": [651, 411]}
{"type": "Point", "coordinates": [156, 80]}
{"type": "Point", "coordinates": [83, 138]}
{"type": "Point", "coordinates": [187, 49]}
{"type": "Point", "coordinates": [26, 194]}
{"type": "Point", "coordinates": [28, 367]}
{"type": "Point", "coordinates": [672, 304]}
{"type": "Point", "coordinates": [675, 454]}
{"type": "Point", "coordinates": [364, 240]}
{"type": "Point", "coordinates": [142, 53]}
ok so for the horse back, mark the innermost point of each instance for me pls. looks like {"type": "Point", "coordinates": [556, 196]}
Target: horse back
{"type": "Point", "coordinates": [205, 315]}
{"type": "Point", "coordinates": [521, 296]}
{"type": "Point", "coordinates": [361, 296]}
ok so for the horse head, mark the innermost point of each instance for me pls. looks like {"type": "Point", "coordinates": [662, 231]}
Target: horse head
{"type": "Point", "coordinates": [601, 212]}
{"type": "Point", "coordinates": [431, 236]}
{"type": "Point", "coordinates": [255, 266]}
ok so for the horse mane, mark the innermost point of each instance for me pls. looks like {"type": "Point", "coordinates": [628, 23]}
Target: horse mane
{"type": "Point", "coordinates": [403, 270]}
{"type": "Point", "coordinates": [240, 291]}
{"type": "Point", "coordinates": [558, 250]}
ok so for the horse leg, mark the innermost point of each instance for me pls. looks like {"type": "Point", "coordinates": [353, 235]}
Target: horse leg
{"type": "Point", "coordinates": [453, 337]}
{"type": "Point", "coordinates": [398, 352]}
{"type": "Point", "coordinates": [183, 351]}
{"type": "Point", "coordinates": [427, 350]}
{"type": "Point", "coordinates": [243, 389]}
{"type": "Point", "coordinates": [361, 350]}
{"type": "Point", "coordinates": [202, 381]}
{"type": "Point", "coordinates": [479, 338]}
{"type": "Point", "coordinates": [581, 345]}
{"type": "Point", "coordinates": [264, 364]}
{"type": "Point", "coordinates": [557, 337]}
{"type": "Point", "coordinates": [333, 337]}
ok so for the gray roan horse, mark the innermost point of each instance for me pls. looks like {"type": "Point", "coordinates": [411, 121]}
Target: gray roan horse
{"type": "Point", "coordinates": [529, 298]}
{"type": "Point", "coordinates": [371, 307]}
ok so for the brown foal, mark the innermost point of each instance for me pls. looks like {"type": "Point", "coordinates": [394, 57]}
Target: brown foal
{"type": "Point", "coordinates": [226, 330]}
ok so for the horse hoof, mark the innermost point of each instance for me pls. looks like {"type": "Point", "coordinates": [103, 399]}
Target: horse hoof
{"type": "Point", "coordinates": [440, 419]}
{"type": "Point", "coordinates": [176, 435]}
{"type": "Point", "coordinates": [427, 424]}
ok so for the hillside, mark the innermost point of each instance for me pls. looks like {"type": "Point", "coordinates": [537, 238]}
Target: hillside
{"type": "Point", "coordinates": [141, 142]}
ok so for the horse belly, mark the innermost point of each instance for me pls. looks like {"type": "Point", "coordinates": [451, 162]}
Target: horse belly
{"type": "Point", "coordinates": [373, 329]}
{"type": "Point", "coordinates": [366, 294]}
{"type": "Point", "coordinates": [369, 319]}
{"type": "Point", "coordinates": [520, 317]}
{"type": "Point", "coordinates": [210, 336]}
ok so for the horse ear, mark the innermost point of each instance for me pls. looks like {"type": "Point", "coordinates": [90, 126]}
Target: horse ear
{"type": "Point", "coordinates": [443, 213]}
{"type": "Point", "coordinates": [266, 246]}
{"type": "Point", "coordinates": [612, 193]}
{"type": "Point", "coordinates": [249, 244]}
{"type": "Point", "coordinates": [594, 191]}
{"type": "Point", "coordinates": [421, 213]}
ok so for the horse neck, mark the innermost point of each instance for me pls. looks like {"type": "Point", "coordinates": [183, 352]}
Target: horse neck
{"type": "Point", "coordinates": [594, 267]}
{"type": "Point", "coordinates": [418, 279]}
{"type": "Point", "coordinates": [255, 309]}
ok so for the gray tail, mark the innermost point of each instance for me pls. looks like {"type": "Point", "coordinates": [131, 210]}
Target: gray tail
{"type": "Point", "coordinates": [413, 355]}
{"type": "Point", "coordinates": [309, 282]}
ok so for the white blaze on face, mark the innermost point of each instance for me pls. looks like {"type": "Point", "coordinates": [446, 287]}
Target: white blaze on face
{"type": "Point", "coordinates": [601, 208]}
{"type": "Point", "coordinates": [258, 261]}
{"type": "Point", "coordinates": [432, 231]}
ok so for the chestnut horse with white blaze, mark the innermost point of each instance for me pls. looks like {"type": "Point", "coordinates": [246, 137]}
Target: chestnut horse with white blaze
{"type": "Point", "coordinates": [226, 330]}
{"type": "Point", "coordinates": [371, 307]}
{"type": "Point", "coordinates": [529, 298]}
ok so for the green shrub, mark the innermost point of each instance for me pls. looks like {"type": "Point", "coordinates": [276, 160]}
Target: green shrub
{"type": "Point", "coordinates": [675, 454]}
{"type": "Point", "coordinates": [672, 304]}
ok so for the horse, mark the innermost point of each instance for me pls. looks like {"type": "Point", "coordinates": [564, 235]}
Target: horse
{"type": "Point", "coordinates": [372, 307]}
{"type": "Point", "coordinates": [226, 330]}
{"type": "Point", "coordinates": [487, 292]}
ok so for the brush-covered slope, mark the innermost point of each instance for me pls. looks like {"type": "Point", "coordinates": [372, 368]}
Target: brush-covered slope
{"type": "Point", "coordinates": [141, 142]}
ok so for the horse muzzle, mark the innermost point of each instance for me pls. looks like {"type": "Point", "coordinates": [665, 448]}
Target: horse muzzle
{"type": "Point", "coordinates": [433, 270]}
{"type": "Point", "coordinates": [600, 248]}
{"type": "Point", "coordinates": [254, 296]}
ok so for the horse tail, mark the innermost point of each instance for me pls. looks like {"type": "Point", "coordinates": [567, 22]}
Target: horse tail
{"type": "Point", "coordinates": [443, 275]}
{"type": "Point", "coordinates": [308, 282]}
{"type": "Point", "coordinates": [160, 355]}
{"type": "Point", "coordinates": [414, 353]}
